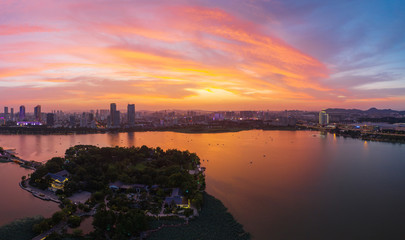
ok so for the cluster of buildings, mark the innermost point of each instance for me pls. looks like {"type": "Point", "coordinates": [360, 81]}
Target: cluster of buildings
{"type": "Point", "coordinates": [21, 118]}
{"type": "Point", "coordinates": [365, 121]}
{"type": "Point", "coordinates": [113, 118]}
{"type": "Point", "coordinates": [102, 118]}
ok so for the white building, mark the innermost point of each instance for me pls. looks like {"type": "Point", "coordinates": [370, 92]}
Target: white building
{"type": "Point", "coordinates": [323, 118]}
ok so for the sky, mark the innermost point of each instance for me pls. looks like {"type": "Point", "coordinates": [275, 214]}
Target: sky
{"type": "Point", "coordinates": [202, 54]}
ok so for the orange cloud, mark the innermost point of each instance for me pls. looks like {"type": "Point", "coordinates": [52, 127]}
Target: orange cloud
{"type": "Point", "coordinates": [196, 54]}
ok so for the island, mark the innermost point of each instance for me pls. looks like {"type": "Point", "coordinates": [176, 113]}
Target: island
{"type": "Point", "coordinates": [129, 193]}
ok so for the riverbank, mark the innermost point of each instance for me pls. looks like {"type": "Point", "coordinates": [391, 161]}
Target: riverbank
{"type": "Point", "coordinates": [43, 130]}
{"type": "Point", "coordinates": [375, 136]}
{"type": "Point", "coordinates": [9, 156]}
{"type": "Point", "coordinates": [45, 195]}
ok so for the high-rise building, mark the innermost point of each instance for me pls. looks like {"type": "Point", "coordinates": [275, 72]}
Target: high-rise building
{"type": "Point", "coordinates": [21, 115]}
{"type": "Point", "coordinates": [6, 113]}
{"type": "Point", "coordinates": [113, 109]}
{"type": "Point", "coordinates": [72, 121]}
{"type": "Point", "coordinates": [12, 114]}
{"type": "Point", "coordinates": [50, 119]}
{"type": "Point", "coordinates": [104, 114]}
{"type": "Point", "coordinates": [37, 113]}
{"type": "Point", "coordinates": [116, 122]}
{"type": "Point", "coordinates": [83, 120]}
{"type": "Point", "coordinates": [323, 118]}
{"type": "Point", "coordinates": [131, 114]}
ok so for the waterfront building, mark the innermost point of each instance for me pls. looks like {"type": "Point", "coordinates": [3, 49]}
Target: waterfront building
{"type": "Point", "coordinates": [5, 113]}
{"type": "Point", "coordinates": [218, 116]}
{"type": "Point", "coordinates": [50, 119]}
{"type": "Point", "coordinates": [131, 114]}
{"type": "Point", "coordinates": [117, 116]}
{"type": "Point", "coordinates": [83, 120]}
{"type": "Point", "coordinates": [37, 113]}
{"type": "Point", "coordinates": [113, 109]}
{"type": "Point", "coordinates": [247, 114]}
{"type": "Point", "coordinates": [103, 115]}
{"type": "Point", "coordinates": [58, 180]}
{"type": "Point", "coordinates": [72, 121]}
{"type": "Point", "coordinates": [22, 113]}
{"type": "Point", "coordinates": [12, 114]}
{"type": "Point", "coordinates": [323, 118]}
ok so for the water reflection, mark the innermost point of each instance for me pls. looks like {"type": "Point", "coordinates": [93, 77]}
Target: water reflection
{"type": "Point", "coordinates": [278, 184]}
{"type": "Point", "coordinates": [38, 144]}
{"type": "Point", "coordinates": [131, 139]}
{"type": "Point", "coordinates": [113, 139]}
{"type": "Point", "coordinates": [16, 203]}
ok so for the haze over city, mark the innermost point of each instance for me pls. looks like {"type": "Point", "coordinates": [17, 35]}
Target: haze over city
{"type": "Point", "coordinates": [207, 55]}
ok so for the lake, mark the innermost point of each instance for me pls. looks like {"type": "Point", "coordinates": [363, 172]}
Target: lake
{"type": "Point", "coordinates": [278, 184]}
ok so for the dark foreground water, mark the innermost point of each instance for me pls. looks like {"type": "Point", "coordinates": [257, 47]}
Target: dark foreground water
{"type": "Point", "coordinates": [278, 184]}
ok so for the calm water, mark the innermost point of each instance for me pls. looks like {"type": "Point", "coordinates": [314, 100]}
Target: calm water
{"type": "Point", "coordinates": [16, 203]}
{"type": "Point", "coordinates": [278, 184]}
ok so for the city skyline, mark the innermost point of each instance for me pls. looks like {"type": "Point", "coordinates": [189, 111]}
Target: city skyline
{"type": "Point", "coordinates": [206, 55]}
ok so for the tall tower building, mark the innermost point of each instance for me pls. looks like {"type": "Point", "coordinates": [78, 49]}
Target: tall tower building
{"type": "Point", "coordinates": [6, 113]}
{"type": "Point", "coordinates": [21, 115]}
{"type": "Point", "coordinates": [12, 114]}
{"type": "Point", "coordinates": [113, 109]}
{"type": "Point", "coordinates": [37, 113]}
{"type": "Point", "coordinates": [323, 118]}
{"type": "Point", "coordinates": [131, 114]}
{"type": "Point", "coordinates": [117, 119]}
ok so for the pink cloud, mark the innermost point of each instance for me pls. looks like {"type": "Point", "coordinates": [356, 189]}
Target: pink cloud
{"type": "Point", "coordinates": [194, 48]}
{"type": "Point", "coordinates": [21, 29]}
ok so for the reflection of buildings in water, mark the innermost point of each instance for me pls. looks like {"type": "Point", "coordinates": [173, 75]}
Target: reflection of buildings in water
{"type": "Point", "coordinates": [131, 139]}
{"type": "Point", "coordinates": [113, 139]}
{"type": "Point", "coordinates": [38, 145]}
{"type": "Point", "coordinates": [22, 148]}
{"type": "Point", "coordinates": [50, 144]}
{"type": "Point", "coordinates": [72, 140]}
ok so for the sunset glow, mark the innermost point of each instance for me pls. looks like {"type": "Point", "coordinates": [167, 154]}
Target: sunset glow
{"type": "Point", "coordinates": [209, 55]}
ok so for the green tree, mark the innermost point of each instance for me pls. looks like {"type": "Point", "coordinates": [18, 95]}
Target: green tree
{"type": "Point", "coordinates": [104, 219]}
{"type": "Point", "coordinates": [55, 164]}
{"type": "Point", "coordinates": [57, 217]}
{"type": "Point", "coordinates": [74, 221]}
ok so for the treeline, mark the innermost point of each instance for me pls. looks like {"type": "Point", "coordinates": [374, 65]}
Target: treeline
{"type": "Point", "coordinates": [92, 168]}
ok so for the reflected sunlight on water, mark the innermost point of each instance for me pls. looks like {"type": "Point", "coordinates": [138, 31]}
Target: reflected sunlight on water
{"type": "Point", "coordinates": [278, 184]}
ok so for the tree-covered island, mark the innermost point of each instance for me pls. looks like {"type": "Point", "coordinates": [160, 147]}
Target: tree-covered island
{"type": "Point", "coordinates": [131, 193]}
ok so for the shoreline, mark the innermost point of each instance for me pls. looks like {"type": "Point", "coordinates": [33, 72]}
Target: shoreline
{"type": "Point", "coordinates": [186, 129]}
{"type": "Point", "coordinates": [377, 137]}
{"type": "Point", "coordinates": [37, 194]}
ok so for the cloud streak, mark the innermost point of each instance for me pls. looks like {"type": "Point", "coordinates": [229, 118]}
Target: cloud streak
{"type": "Point", "coordinates": [173, 54]}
